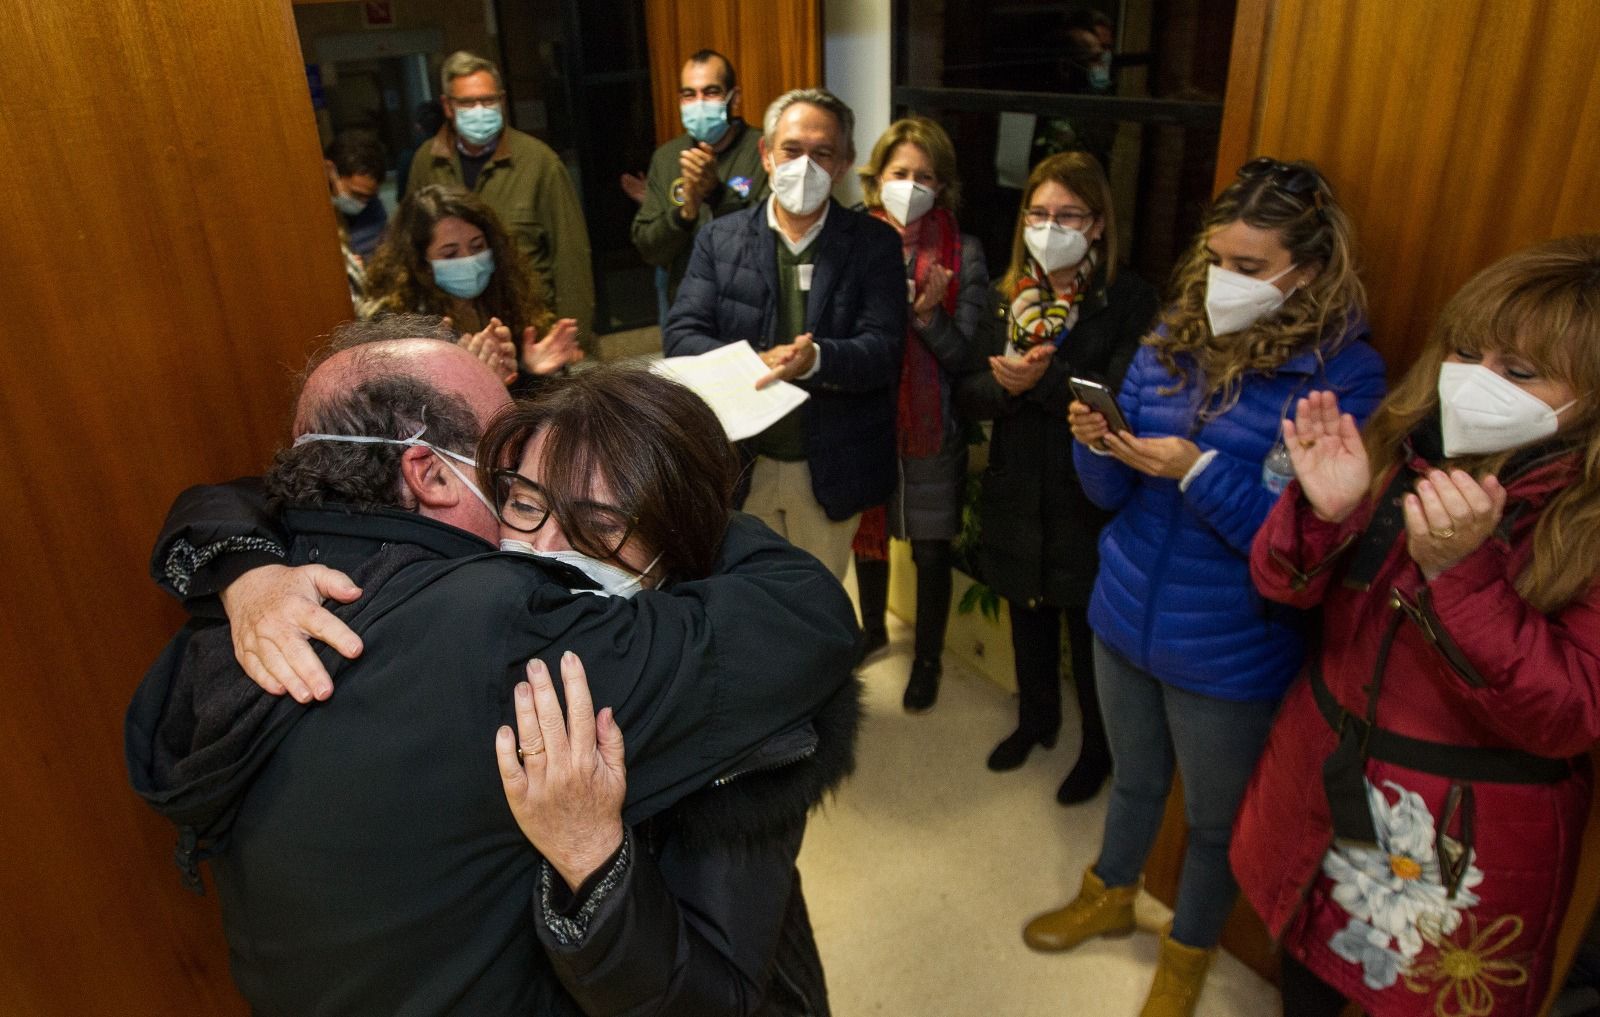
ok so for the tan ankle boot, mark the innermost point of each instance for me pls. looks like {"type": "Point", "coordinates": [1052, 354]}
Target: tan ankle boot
{"type": "Point", "coordinates": [1180, 972]}
{"type": "Point", "coordinates": [1098, 910]}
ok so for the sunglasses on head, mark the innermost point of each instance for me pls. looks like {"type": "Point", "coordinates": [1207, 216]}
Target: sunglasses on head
{"type": "Point", "coordinates": [1300, 182]}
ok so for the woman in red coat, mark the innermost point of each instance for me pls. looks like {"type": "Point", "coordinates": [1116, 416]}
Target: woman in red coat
{"type": "Point", "coordinates": [1413, 827]}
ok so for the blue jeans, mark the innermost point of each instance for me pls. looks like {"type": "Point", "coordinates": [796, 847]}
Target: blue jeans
{"type": "Point", "coordinates": [1216, 743]}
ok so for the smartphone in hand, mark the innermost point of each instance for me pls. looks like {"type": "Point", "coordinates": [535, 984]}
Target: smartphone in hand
{"type": "Point", "coordinates": [1102, 400]}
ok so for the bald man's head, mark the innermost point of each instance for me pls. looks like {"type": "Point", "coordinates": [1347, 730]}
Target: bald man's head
{"type": "Point", "coordinates": [392, 388]}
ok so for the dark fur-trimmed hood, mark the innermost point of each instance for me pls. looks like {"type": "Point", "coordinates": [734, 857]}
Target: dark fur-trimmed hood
{"type": "Point", "coordinates": [769, 793]}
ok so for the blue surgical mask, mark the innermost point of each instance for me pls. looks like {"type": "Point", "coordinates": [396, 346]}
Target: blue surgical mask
{"type": "Point", "coordinates": [705, 119]}
{"type": "Point", "coordinates": [478, 125]}
{"type": "Point", "coordinates": [612, 580]}
{"type": "Point", "coordinates": [349, 204]}
{"type": "Point", "coordinates": [464, 277]}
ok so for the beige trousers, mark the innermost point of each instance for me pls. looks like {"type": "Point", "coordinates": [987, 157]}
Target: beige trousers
{"type": "Point", "coordinates": [780, 496]}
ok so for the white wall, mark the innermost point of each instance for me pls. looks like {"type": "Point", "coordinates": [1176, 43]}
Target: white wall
{"type": "Point", "coordinates": [855, 67]}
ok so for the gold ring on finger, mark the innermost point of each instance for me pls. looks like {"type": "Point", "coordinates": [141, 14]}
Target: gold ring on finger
{"type": "Point", "coordinates": [523, 753]}
{"type": "Point", "coordinates": [1444, 534]}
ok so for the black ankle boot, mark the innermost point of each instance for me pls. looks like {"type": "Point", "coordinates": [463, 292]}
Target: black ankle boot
{"type": "Point", "coordinates": [923, 688]}
{"type": "Point", "coordinates": [1088, 776]}
{"type": "Point", "coordinates": [1013, 751]}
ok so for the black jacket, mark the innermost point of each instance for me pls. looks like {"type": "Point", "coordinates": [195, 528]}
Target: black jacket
{"type": "Point", "coordinates": [1040, 531]}
{"type": "Point", "coordinates": [362, 847]}
{"type": "Point", "coordinates": [718, 867]}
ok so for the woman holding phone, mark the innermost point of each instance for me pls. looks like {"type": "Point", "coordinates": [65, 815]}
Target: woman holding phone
{"type": "Point", "coordinates": [1189, 659]}
{"type": "Point", "coordinates": [1063, 308]}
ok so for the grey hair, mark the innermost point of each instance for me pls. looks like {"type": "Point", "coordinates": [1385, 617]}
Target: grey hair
{"type": "Point", "coordinates": [462, 63]}
{"type": "Point", "coordinates": [820, 98]}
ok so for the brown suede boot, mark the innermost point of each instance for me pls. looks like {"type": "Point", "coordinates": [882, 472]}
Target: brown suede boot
{"type": "Point", "coordinates": [1098, 910]}
{"type": "Point", "coordinates": [1180, 972]}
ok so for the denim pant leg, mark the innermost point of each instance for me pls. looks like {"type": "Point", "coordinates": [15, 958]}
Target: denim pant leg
{"type": "Point", "coordinates": [1141, 764]}
{"type": "Point", "coordinates": [1217, 744]}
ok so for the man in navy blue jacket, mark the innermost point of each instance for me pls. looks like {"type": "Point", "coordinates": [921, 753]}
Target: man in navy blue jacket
{"type": "Point", "coordinates": [819, 291]}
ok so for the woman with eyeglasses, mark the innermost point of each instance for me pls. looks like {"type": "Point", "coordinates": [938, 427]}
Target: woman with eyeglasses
{"type": "Point", "coordinates": [910, 182]}
{"type": "Point", "coordinates": [619, 473]}
{"type": "Point", "coordinates": [1190, 660]}
{"type": "Point", "coordinates": [1412, 832]}
{"type": "Point", "coordinates": [446, 253]}
{"type": "Point", "coordinates": [1062, 308]}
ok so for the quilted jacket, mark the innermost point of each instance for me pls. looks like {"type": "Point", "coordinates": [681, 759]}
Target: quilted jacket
{"type": "Point", "coordinates": [1173, 595]}
{"type": "Point", "coordinates": [856, 312]}
{"type": "Point", "coordinates": [1461, 895]}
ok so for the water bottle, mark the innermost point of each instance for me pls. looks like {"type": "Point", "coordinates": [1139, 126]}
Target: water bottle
{"type": "Point", "coordinates": [1277, 470]}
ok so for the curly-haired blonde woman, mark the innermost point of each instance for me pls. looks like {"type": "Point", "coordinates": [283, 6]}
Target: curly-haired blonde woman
{"type": "Point", "coordinates": [1189, 660]}
{"type": "Point", "coordinates": [446, 253]}
{"type": "Point", "coordinates": [1412, 831]}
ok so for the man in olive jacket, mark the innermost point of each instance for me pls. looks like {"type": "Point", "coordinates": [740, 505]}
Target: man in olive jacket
{"type": "Point", "coordinates": [710, 170]}
{"type": "Point", "coordinates": [518, 176]}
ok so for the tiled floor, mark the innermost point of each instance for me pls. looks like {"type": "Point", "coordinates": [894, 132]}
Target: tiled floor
{"type": "Point", "coordinates": [922, 871]}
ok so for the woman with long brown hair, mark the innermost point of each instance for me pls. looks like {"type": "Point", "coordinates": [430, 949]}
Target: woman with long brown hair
{"type": "Point", "coordinates": [1064, 307]}
{"type": "Point", "coordinates": [446, 253]}
{"type": "Point", "coordinates": [1412, 831]}
{"type": "Point", "coordinates": [1189, 659]}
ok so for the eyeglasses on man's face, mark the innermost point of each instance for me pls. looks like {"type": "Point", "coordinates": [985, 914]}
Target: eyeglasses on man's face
{"type": "Point", "coordinates": [477, 101]}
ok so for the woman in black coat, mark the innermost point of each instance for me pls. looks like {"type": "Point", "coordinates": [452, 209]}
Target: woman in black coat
{"type": "Point", "coordinates": [1061, 310]}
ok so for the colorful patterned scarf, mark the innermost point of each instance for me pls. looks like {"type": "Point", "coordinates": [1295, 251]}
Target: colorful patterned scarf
{"type": "Point", "coordinates": [1040, 315]}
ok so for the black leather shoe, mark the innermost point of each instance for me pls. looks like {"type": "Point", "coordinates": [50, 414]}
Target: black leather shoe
{"type": "Point", "coordinates": [1013, 751]}
{"type": "Point", "coordinates": [923, 688]}
{"type": "Point", "coordinates": [1088, 776]}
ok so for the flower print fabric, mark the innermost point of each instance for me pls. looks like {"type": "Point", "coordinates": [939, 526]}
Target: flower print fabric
{"type": "Point", "coordinates": [1394, 892]}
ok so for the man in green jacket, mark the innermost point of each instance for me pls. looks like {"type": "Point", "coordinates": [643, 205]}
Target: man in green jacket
{"type": "Point", "coordinates": [713, 168]}
{"type": "Point", "coordinates": [519, 176]}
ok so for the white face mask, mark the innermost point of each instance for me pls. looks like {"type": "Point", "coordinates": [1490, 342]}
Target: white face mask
{"type": "Point", "coordinates": [1481, 412]}
{"type": "Point", "coordinates": [444, 454]}
{"type": "Point", "coordinates": [1055, 247]}
{"type": "Point", "coordinates": [800, 185]}
{"type": "Point", "coordinates": [1234, 302]}
{"type": "Point", "coordinates": [613, 581]}
{"type": "Point", "coordinates": [906, 200]}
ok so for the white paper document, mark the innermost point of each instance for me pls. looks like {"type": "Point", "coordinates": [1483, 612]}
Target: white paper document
{"type": "Point", "coordinates": [726, 379]}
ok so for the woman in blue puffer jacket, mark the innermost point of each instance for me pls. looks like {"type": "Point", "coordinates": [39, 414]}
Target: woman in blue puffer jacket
{"type": "Point", "coordinates": [1190, 661]}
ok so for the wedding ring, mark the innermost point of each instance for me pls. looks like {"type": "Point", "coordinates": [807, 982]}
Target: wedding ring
{"type": "Point", "coordinates": [1444, 534]}
{"type": "Point", "coordinates": [522, 753]}
{"type": "Point", "coordinates": [1307, 442]}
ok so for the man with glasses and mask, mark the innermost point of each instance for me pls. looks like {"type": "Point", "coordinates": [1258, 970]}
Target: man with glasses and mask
{"type": "Point", "coordinates": [518, 176]}
{"type": "Point", "coordinates": [362, 845]}
{"type": "Point", "coordinates": [820, 292]}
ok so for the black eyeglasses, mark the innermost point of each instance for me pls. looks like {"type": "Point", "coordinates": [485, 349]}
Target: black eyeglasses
{"type": "Point", "coordinates": [1299, 182]}
{"type": "Point", "coordinates": [525, 507]}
